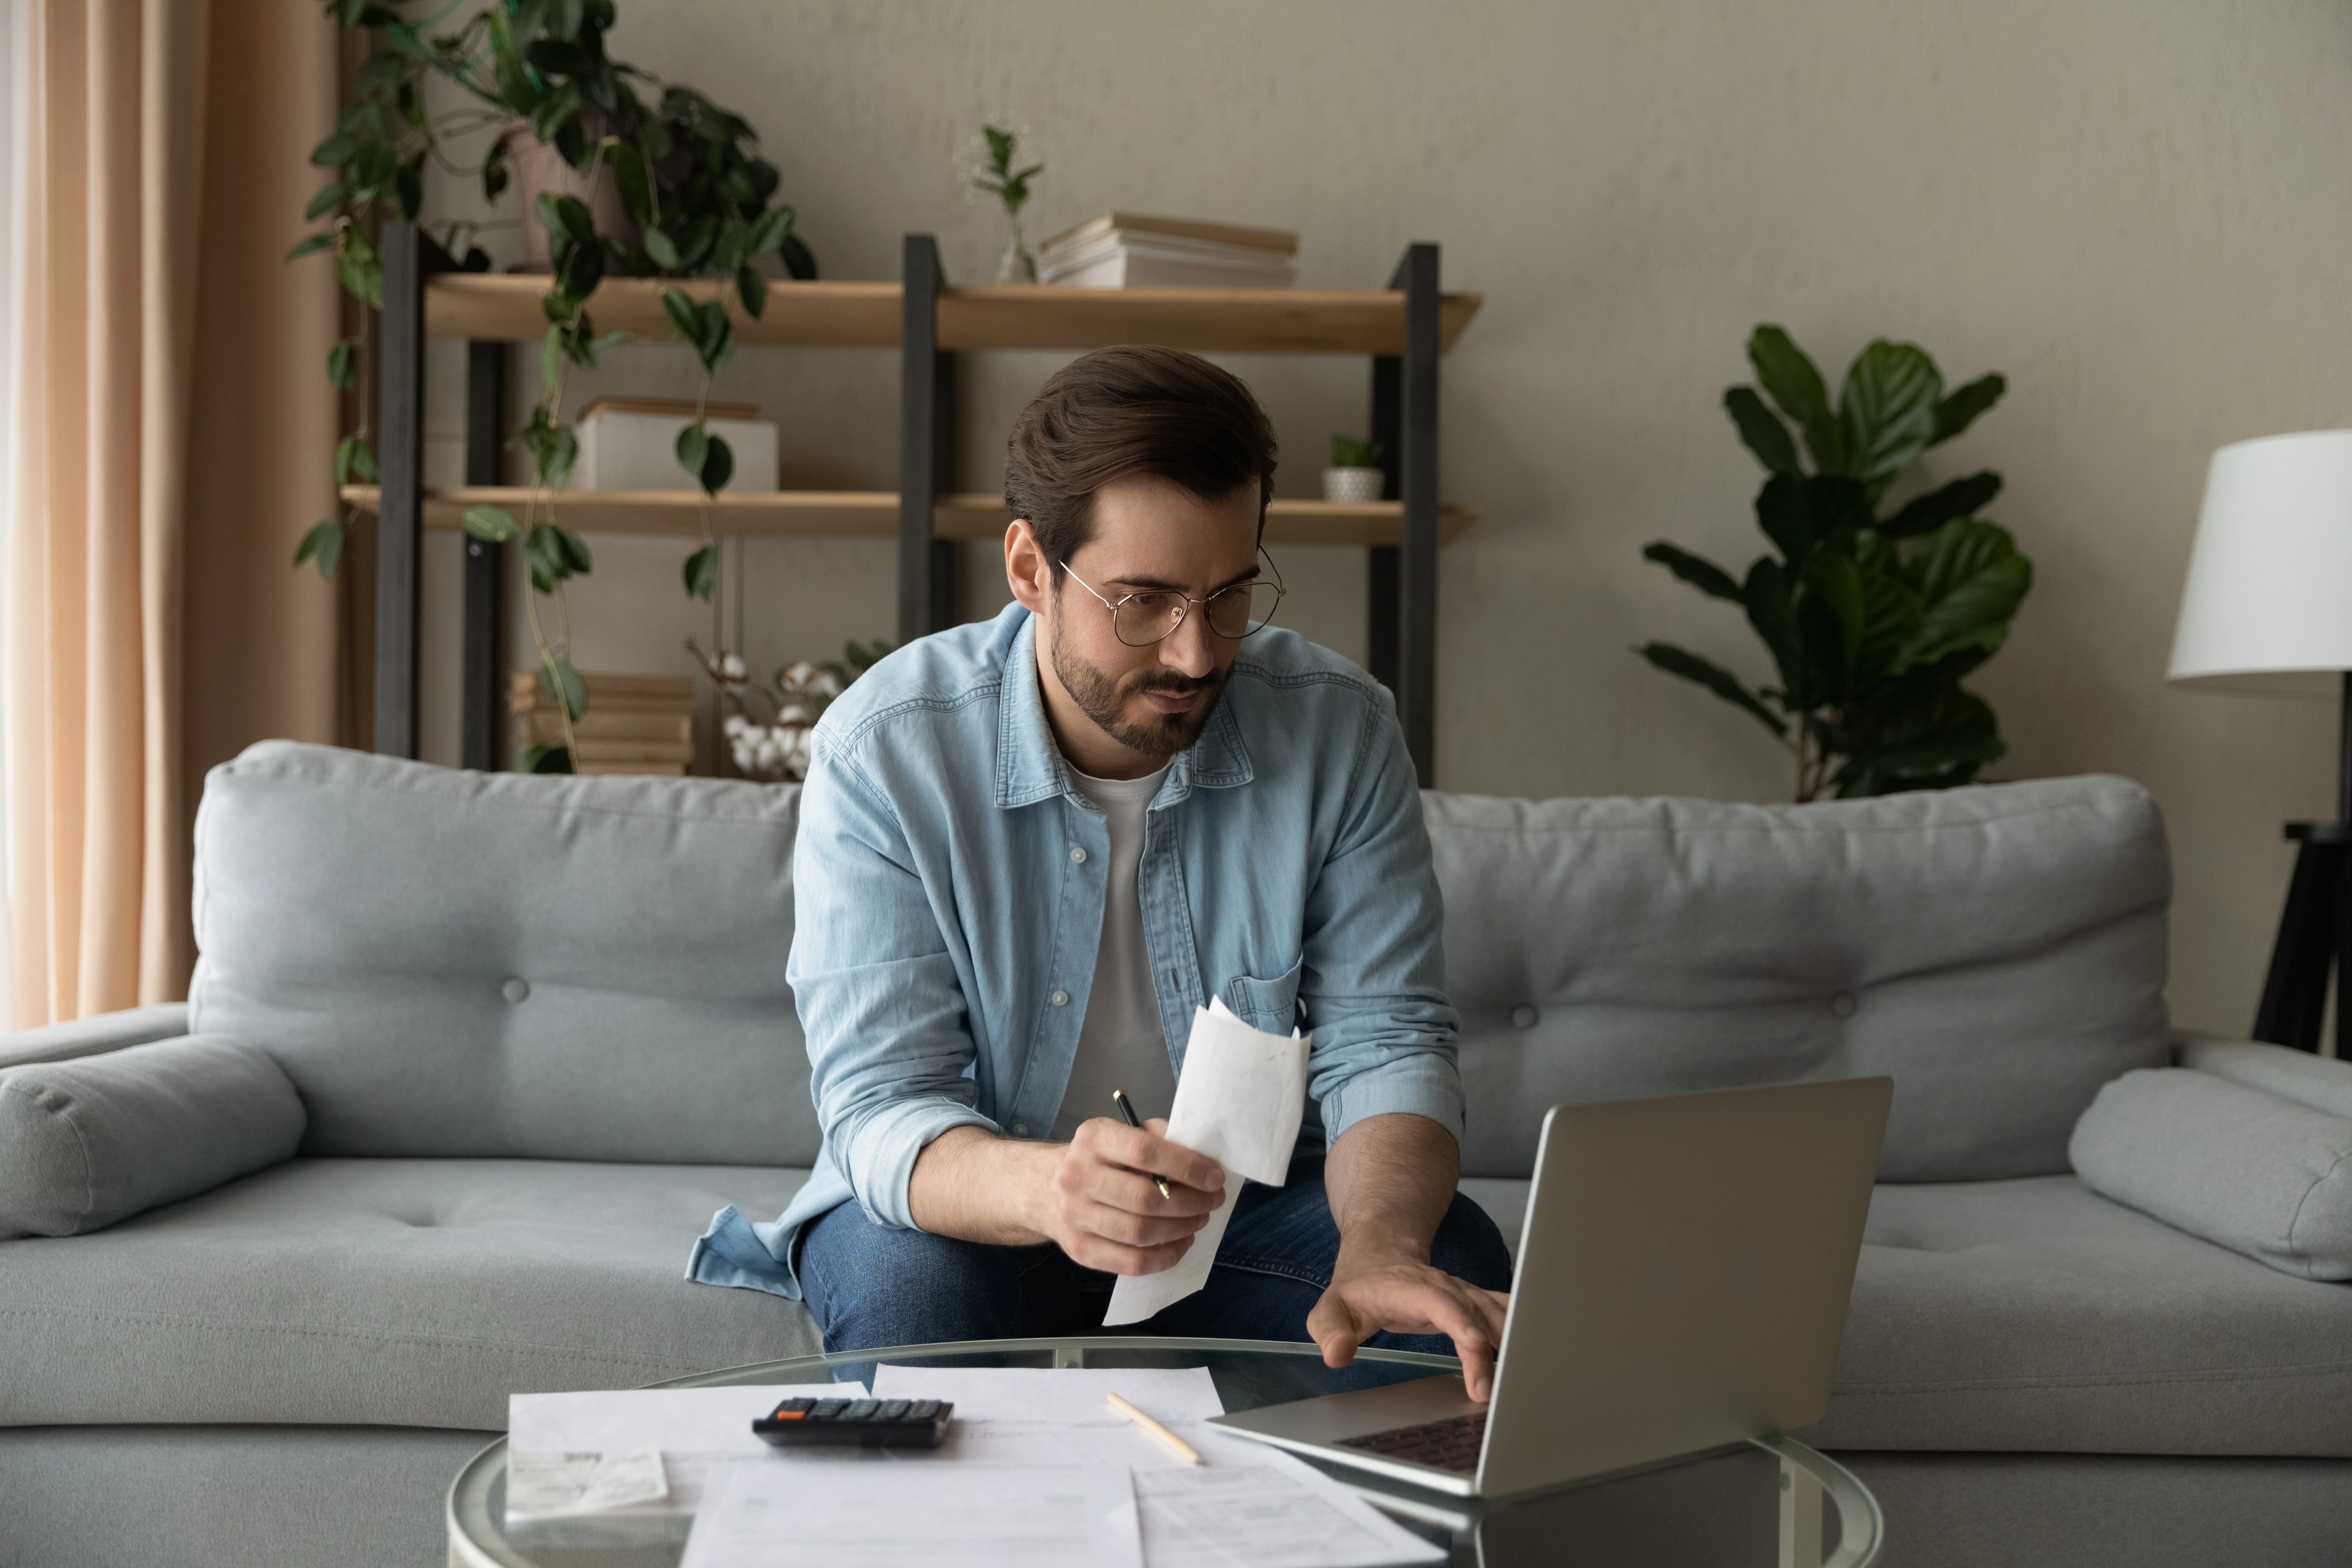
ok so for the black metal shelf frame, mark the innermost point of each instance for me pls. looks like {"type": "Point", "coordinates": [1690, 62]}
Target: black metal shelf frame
{"type": "Point", "coordinates": [1401, 608]}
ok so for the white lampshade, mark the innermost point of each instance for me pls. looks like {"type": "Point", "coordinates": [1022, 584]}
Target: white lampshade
{"type": "Point", "coordinates": [2268, 608]}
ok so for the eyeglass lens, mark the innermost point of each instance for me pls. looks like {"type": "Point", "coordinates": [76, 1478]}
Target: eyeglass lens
{"type": "Point", "coordinates": [1145, 618]}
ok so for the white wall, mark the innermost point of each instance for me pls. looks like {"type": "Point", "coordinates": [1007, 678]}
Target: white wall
{"type": "Point", "coordinates": [2137, 211]}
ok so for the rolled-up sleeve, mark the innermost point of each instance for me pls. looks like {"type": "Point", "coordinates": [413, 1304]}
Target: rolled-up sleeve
{"type": "Point", "coordinates": [1372, 977]}
{"type": "Point", "coordinates": [890, 1051]}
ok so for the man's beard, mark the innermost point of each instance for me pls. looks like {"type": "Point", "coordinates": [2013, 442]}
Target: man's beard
{"type": "Point", "coordinates": [1104, 702]}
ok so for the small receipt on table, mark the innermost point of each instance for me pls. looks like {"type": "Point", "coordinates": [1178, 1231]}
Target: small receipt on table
{"type": "Point", "coordinates": [556, 1485]}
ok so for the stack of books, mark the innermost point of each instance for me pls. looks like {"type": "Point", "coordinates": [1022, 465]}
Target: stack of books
{"type": "Point", "coordinates": [1130, 251]}
{"type": "Point", "coordinates": [635, 723]}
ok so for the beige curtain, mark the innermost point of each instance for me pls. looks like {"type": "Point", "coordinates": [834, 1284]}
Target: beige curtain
{"type": "Point", "coordinates": [156, 315]}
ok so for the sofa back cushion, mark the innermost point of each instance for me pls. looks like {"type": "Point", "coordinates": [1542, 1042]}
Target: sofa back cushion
{"type": "Point", "coordinates": [484, 964]}
{"type": "Point", "coordinates": [1999, 950]}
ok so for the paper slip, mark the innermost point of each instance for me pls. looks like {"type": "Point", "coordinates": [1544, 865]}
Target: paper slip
{"type": "Point", "coordinates": [1239, 1102]}
{"type": "Point", "coordinates": [695, 1431]}
{"type": "Point", "coordinates": [556, 1485]}
{"type": "Point", "coordinates": [918, 1516]}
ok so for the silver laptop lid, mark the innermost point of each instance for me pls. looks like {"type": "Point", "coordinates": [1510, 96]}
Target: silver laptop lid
{"type": "Point", "coordinates": [1683, 1275]}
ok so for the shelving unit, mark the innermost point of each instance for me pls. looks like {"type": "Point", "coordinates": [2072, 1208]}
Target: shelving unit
{"type": "Point", "coordinates": [1403, 329]}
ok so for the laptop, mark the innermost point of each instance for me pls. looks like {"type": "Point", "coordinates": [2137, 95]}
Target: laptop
{"type": "Point", "coordinates": [1684, 1271]}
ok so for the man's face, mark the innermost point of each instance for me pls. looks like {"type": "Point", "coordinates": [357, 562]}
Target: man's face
{"type": "Point", "coordinates": [1150, 537]}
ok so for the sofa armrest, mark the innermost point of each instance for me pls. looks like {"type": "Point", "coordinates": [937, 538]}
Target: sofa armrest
{"type": "Point", "coordinates": [2323, 1083]}
{"type": "Point", "coordinates": [93, 1036]}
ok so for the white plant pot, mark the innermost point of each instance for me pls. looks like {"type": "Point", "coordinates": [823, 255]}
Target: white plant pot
{"type": "Point", "coordinates": [1353, 484]}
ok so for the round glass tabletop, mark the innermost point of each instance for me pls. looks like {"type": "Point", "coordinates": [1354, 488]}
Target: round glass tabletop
{"type": "Point", "coordinates": [1771, 1500]}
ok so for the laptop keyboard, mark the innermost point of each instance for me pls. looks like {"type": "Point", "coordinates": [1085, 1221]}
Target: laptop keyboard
{"type": "Point", "coordinates": [1452, 1444]}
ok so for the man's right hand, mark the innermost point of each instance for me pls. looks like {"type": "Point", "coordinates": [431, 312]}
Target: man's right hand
{"type": "Point", "coordinates": [1103, 1209]}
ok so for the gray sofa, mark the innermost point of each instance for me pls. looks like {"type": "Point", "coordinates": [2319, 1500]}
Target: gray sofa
{"type": "Point", "coordinates": [538, 1032]}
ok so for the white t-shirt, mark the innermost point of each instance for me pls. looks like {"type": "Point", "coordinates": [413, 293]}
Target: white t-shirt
{"type": "Point", "coordinates": [1121, 1045]}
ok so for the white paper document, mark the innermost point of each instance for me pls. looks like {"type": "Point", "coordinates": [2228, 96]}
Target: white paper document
{"type": "Point", "coordinates": [1239, 1102]}
{"type": "Point", "coordinates": [1276, 1512]}
{"type": "Point", "coordinates": [918, 1516]}
{"type": "Point", "coordinates": [558, 1439]}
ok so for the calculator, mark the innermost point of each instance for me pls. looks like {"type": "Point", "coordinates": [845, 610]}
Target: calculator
{"type": "Point", "coordinates": [862, 1423]}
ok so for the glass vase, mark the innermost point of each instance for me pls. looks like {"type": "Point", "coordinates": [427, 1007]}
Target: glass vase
{"type": "Point", "coordinates": [1017, 265]}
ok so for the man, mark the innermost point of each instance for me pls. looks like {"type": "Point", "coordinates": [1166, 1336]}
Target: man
{"type": "Point", "coordinates": [1029, 849]}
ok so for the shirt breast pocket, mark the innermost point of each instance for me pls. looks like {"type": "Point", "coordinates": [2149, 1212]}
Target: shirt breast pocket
{"type": "Point", "coordinates": [1268, 1004]}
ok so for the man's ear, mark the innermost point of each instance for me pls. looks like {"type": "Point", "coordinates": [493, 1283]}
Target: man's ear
{"type": "Point", "coordinates": [1026, 571]}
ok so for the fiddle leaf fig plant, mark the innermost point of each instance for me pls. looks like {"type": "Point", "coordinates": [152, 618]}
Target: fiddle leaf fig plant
{"type": "Point", "coordinates": [699, 201]}
{"type": "Point", "coordinates": [1871, 619]}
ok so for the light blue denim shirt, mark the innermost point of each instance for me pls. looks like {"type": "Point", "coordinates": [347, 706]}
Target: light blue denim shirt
{"type": "Point", "coordinates": [946, 923]}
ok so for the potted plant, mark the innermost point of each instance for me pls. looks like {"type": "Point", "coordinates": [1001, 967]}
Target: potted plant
{"type": "Point", "coordinates": [987, 167]}
{"type": "Point", "coordinates": [1872, 620]}
{"type": "Point", "coordinates": [674, 187]}
{"type": "Point", "coordinates": [1355, 474]}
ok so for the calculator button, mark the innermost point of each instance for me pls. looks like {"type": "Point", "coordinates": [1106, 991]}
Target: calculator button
{"type": "Point", "coordinates": [826, 1409]}
{"type": "Point", "coordinates": [923, 1410]}
{"type": "Point", "coordinates": [892, 1410]}
{"type": "Point", "coordinates": [861, 1410]}
{"type": "Point", "coordinates": [794, 1407]}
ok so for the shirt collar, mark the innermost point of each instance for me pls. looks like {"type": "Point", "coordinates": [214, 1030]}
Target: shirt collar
{"type": "Point", "coordinates": [1029, 766]}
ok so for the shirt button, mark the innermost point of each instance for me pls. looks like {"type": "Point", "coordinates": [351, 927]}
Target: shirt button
{"type": "Point", "coordinates": [1021, 1129]}
{"type": "Point", "coordinates": [1077, 854]}
{"type": "Point", "coordinates": [1061, 998]}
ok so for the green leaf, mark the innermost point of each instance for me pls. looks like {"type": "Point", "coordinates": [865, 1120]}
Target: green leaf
{"type": "Point", "coordinates": [679, 307]}
{"type": "Point", "coordinates": [752, 289]}
{"type": "Point", "coordinates": [579, 267]}
{"type": "Point", "coordinates": [1691, 667]}
{"type": "Point", "coordinates": [702, 573]}
{"type": "Point", "coordinates": [336, 149]}
{"type": "Point", "coordinates": [1971, 580]}
{"type": "Point", "coordinates": [999, 148]}
{"type": "Point", "coordinates": [1794, 384]}
{"type": "Point", "coordinates": [659, 246]}
{"type": "Point", "coordinates": [566, 218]}
{"type": "Point", "coordinates": [628, 167]}
{"type": "Point", "coordinates": [1802, 515]}
{"type": "Point", "coordinates": [1922, 732]}
{"type": "Point", "coordinates": [1760, 430]}
{"type": "Point", "coordinates": [561, 682]}
{"type": "Point", "coordinates": [1700, 573]}
{"type": "Point", "coordinates": [1961, 498]}
{"type": "Point", "coordinates": [770, 229]}
{"type": "Point", "coordinates": [718, 466]}
{"type": "Point", "coordinates": [1833, 616]}
{"type": "Point", "coordinates": [546, 759]}
{"type": "Point", "coordinates": [343, 364]}
{"type": "Point", "coordinates": [799, 261]}
{"type": "Point", "coordinates": [491, 525]}
{"type": "Point", "coordinates": [325, 201]}
{"type": "Point", "coordinates": [552, 116]}
{"type": "Point", "coordinates": [1771, 600]}
{"type": "Point", "coordinates": [1888, 410]}
{"type": "Point", "coordinates": [1891, 612]}
{"type": "Point", "coordinates": [408, 185]}
{"type": "Point", "coordinates": [694, 242]}
{"type": "Point", "coordinates": [551, 356]}
{"type": "Point", "coordinates": [733, 248]}
{"type": "Point", "coordinates": [324, 544]}
{"type": "Point", "coordinates": [714, 335]}
{"type": "Point", "coordinates": [692, 446]}
{"type": "Point", "coordinates": [353, 456]}
{"type": "Point", "coordinates": [553, 555]}
{"type": "Point", "coordinates": [310, 245]}
{"type": "Point", "coordinates": [1959, 411]}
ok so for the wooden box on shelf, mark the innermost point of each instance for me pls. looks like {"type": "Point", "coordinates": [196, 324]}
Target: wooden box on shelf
{"type": "Point", "coordinates": [635, 723]}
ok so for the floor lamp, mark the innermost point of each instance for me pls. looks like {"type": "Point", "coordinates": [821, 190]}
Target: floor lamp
{"type": "Point", "coordinates": [2268, 610]}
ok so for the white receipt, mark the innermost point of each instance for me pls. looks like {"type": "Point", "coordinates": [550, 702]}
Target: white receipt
{"type": "Point", "coordinates": [694, 1431]}
{"type": "Point", "coordinates": [1239, 1102]}
{"type": "Point", "coordinates": [556, 1485]}
{"type": "Point", "coordinates": [918, 1516]}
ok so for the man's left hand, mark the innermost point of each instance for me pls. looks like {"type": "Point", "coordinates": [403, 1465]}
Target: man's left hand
{"type": "Point", "coordinates": [1368, 1295]}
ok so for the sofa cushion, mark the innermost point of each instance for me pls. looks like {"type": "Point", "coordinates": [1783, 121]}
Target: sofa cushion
{"type": "Point", "coordinates": [1998, 952]}
{"type": "Point", "coordinates": [2252, 1171]}
{"type": "Point", "coordinates": [2035, 1315]}
{"type": "Point", "coordinates": [497, 964]}
{"type": "Point", "coordinates": [388, 1292]}
{"type": "Point", "coordinates": [87, 1142]}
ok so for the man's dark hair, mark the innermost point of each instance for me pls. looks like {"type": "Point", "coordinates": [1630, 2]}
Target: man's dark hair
{"type": "Point", "coordinates": [1133, 409]}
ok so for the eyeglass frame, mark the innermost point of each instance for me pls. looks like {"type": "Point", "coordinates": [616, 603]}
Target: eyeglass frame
{"type": "Point", "coordinates": [1245, 584]}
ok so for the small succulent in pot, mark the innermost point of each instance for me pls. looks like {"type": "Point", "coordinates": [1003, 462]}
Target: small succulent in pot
{"type": "Point", "coordinates": [1355, 474]}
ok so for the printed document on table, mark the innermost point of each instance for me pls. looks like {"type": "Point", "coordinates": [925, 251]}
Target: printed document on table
{"type": "Point", "coordinates": [1239, 1102]}
{"type": "Point", "coordinates": [1034, 1416]}
{"type": "Point", "coordinates": [918, 1516]}
{"type": "Point", "coordinates": [1259, 1514]}
{"type": "Point", "coordinates": [557, 1441]}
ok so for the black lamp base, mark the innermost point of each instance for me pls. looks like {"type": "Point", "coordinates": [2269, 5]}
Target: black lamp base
{"type": "Point", "coordinates": [2315, 937]}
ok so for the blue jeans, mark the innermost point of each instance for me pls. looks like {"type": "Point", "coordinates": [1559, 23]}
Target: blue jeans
{"type": "Point", "coordinates": [869, 1285]}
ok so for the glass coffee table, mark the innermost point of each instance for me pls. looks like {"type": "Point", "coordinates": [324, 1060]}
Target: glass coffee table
{"type": "Point", "coordinates": [1769, 1502]}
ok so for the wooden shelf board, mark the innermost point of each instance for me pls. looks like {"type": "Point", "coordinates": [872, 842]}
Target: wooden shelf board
{"type": "Point", "coordinates": [874, 514]}
{"type": "Point", "coordinates": [504, 308]}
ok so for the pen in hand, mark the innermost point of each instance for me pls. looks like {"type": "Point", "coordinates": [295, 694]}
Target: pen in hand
{"type": "Point", "coordinates": [1119, 1097]}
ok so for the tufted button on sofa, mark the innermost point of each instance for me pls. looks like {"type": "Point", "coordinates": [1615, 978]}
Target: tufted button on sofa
{"type": "Point", "coordinates": [539, 1032]}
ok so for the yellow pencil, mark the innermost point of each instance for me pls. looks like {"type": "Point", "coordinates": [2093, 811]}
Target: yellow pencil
{"type": "Point", "coordinates": [1183, 1450]}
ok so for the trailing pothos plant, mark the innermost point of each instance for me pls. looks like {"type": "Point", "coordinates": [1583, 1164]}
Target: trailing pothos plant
{"type": "Point", "coordinates": [690, 174]}
{"type": "Point", "coordinates": [1872, 620]}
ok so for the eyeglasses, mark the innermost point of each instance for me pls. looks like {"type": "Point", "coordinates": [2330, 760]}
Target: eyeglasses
{"type": "Point", "coordinates": [1142, 618]}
